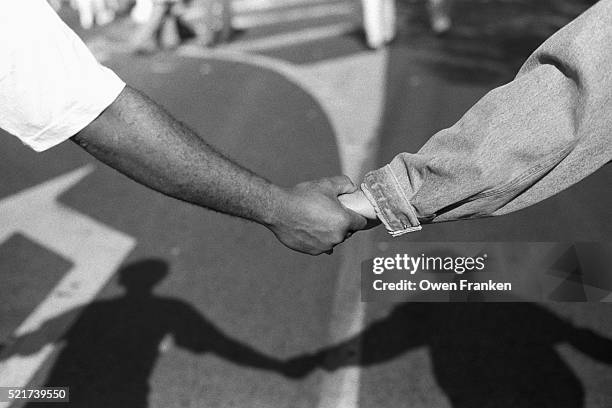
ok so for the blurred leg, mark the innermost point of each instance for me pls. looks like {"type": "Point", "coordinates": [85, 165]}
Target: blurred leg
{"type": "Point", "coordinates": [86, 12]}
{"type": "Point", "coordinates": [225, 20]}
{"type": "Point", "coordinates": [169, 36]}
{"type": "Point", "coordinates": [147, 36]}
{"type": "Point", "coordinates": [390, 20]}
{"type": "Point", "coordinates": [105, 11]}
{"type": "Point", "coordinates": [377, 21]}
{"type": "Point", "coordinates": [142, 11]}
{"type": "Point", "coordinates": [203, 21]}
{"type": "Point", "coordinates": [439, 15]}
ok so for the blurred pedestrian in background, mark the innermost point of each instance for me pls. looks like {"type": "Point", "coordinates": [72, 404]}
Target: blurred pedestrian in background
{"type": "Point", "coordinates": [379, 19]}
{"type": "Point", "coordinates": [94, 12]}
{"type": "Point", "coordinates": [165, 23]}
{"type": "Point", "coordinates": [161, 29]}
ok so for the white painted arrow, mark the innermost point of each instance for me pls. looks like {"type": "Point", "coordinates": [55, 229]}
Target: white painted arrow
{"type": "Point", "coordinates": [94, 249]}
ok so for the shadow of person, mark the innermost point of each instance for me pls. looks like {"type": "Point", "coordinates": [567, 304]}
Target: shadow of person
{"type": "Point", "coordinates": [111, 348]}
{"type": "Point", "coordinates": [483, 354]}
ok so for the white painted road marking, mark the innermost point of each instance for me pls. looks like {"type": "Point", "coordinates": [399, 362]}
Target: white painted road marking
{"type": "Point", "coordinates": [250, 6]}
{"type": "Point", "coordinates": [359, 80]}
{"type": "Point", "coordinates": [242, 22]}
{"type": "Point", "coordinates": [104, 49]}
{"type": "Point", "coordinates": [292, 38]}
{"type": "Point", "coordinates": [95, 250]}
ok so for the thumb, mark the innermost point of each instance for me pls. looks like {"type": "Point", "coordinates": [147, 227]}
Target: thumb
{"type": "Point", "coordinates": [342, 185]}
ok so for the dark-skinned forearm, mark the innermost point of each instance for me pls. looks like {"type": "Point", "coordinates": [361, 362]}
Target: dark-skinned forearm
{"type": "Point", "coordinates": [140, 139]}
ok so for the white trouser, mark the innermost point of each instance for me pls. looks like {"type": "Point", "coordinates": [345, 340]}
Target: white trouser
{"type": "Point", "coordinates": [379, 21]}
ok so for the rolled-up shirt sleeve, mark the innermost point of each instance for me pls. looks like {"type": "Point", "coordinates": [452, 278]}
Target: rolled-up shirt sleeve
{"type": "Point", "coordinates": [51, 86]}
{"type": "Point", "coordinates": [520, 144]}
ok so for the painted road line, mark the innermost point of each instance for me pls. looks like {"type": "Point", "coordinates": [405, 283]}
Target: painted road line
{"type": "Point", "coordinates": [359, 80]}
{"type": "Point", "coordinates": [243, 22]}
{"type": "Point", "coordinates": [357, 85]}
{"type": "Point", "coordinates": [103, 48]}
{"type": "Point", "coordinates": [250, 6]}
{"type": "Point", "coordinates": [350, 90]}
{"type": "Point", "coordinates": [291, 39]}
{"type": "Point", "coordinates": [95, 250]}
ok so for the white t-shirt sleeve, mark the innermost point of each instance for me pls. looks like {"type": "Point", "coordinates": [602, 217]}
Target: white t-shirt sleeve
{"type": "Point", "coordinates": [51, 86]}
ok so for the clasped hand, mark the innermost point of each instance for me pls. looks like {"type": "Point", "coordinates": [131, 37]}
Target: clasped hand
{"type": "Point", "coordinates": [316, 216]}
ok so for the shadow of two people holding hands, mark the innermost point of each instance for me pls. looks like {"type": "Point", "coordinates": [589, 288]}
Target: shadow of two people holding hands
{"type": "Point", "coordinates": [494, 354]}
